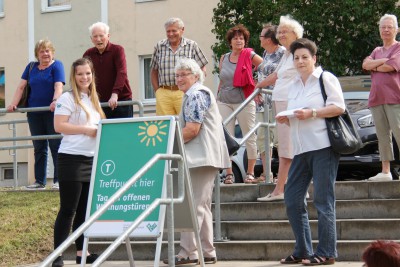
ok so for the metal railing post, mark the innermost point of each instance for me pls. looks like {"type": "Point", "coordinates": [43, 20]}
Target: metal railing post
{"type": "Point", "coordinates": [14, 154]}
{"type": "Point", "coordinates": [217, 209]}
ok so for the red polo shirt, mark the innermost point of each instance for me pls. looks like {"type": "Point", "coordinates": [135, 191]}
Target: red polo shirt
{"type": "Point", "coordinates": [110, 72]}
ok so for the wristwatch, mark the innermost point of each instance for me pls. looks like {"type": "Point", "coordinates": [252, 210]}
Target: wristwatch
{"type": "Point", "coordinates": [314, 113]}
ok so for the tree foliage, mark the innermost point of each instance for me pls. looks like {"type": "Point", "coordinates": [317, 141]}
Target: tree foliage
{"type": "Point", "coordinates": [345, 31]}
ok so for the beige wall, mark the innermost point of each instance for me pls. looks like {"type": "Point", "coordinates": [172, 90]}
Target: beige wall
{"type": "Point", "coordinates": [135, 26]}
{"type": "Point", "coordinates": [68, 30]}
{"type": "Point", "coordinates": [138, 27]}
{"type": "Point", "coordinates": [13, 57]}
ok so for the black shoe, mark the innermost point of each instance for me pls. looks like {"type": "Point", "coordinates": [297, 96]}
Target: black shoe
{"type": "Point", "coordinates": [89, 259]}
{"type": "Point", "coordinates": [58, 262]}
{"type": "Point", "coordinates": [180, 261]}
{"type": "Point", "coordinates": [210, 260]}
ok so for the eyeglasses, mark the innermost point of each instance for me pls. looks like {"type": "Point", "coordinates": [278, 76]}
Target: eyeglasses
{"type": "Point", "coordinates": [386, 27]}
{"type": "Point", "coordinates": [177, 76]}
{"type": "Point", "coordinates": [283, 32]}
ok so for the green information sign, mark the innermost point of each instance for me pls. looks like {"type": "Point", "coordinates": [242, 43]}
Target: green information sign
{"type": "Point", "coordinates": [123, 147]}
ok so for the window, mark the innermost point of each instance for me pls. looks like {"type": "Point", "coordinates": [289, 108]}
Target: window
{"type": "Point", "coordinates": [1, 8]}
{"type": "Point", "coordinates": [6, 173]}
{"type": "Point", "coordinates": [55, 5]}
{"type": "Point", "coordinates": [2, 89]}
{"type": "Point", "coordinates": [145, 81]}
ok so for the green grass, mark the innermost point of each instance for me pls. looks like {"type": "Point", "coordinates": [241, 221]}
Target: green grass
{"type": "Point", "coordinates": [26, 226]}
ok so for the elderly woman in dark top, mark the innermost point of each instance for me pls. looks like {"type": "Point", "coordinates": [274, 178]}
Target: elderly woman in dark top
{"type": "Point", "coordinates": [236, 84]}
{"type": "Point", "coordinates": [271, 57]}
{"type": "Point", "coordinates": [314, 158]}
{"type": "Point", "coordinates": [206, 153]}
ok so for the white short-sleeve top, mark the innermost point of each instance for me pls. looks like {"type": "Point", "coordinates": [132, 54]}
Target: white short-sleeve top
{"type": "Point", "coordinates": [77, 144]}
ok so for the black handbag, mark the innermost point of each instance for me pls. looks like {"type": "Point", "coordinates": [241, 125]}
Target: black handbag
{"type": "Point", "coordinates": [342, 134]}
{"type": "Point", "coordinates": [231, 143]}
{"type": "Point", "coordinates": [23, 102]}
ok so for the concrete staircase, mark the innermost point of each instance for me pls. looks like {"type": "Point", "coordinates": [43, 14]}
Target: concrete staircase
{"type": "Point", "coordinates": [254, 230]}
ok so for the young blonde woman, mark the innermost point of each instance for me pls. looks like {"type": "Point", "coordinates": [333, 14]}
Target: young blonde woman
{"type": "Point", "coordinates": [76, 117]}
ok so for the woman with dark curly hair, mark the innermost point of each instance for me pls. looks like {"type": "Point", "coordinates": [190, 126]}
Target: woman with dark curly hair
{"type": "Point", "coordinates": [236, 84]}
{"type": "Point", "coordinates": [382, 254]}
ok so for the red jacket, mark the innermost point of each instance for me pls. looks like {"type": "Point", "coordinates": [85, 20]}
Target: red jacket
{"type": "Point", "coordinates": [243, 76]}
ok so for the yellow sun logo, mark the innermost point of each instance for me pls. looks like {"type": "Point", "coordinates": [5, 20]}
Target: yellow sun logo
{"type": "Point", "coordinates": [152, 132]}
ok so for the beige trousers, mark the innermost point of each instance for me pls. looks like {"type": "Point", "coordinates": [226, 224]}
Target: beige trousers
{"type": "Point", "coordinates": [246, 119]}
{"type": "Point", "coordinates": [202, 183]}
{"type": "Point", "coordinates": [387, 122]}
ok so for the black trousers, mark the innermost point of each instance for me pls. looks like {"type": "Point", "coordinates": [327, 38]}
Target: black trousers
{"type": "Point", "coordinates": [74, 181]}
{"type": "Point", "coordinates": [73, 203]}
{"type": "Point", "coordinates": [118, 112]}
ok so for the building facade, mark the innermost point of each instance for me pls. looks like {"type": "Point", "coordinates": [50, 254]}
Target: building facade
{"type": "Point", "coordinates": [135, 24]}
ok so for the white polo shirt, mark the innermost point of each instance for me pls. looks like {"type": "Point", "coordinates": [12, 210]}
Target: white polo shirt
{"type": "Point", "coordinates": [77, 144]}
{"type": "Point", "coordinates": [286, 73]}
{"type": "Point", "coordinates": [311, 134]}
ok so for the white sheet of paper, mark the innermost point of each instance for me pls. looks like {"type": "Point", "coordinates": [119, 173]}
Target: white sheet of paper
{"type": "Point", "coordinates": [288, 113]}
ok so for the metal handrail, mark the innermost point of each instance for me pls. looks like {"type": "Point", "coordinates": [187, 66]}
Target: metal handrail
{"type": "Point", "coordinates": [103, 104]}
{"type": "Point", "coordinates": [267, 142]}
{"type": "Point", "coordinates": [158, 201]}
{"type": "Point", "coordinates": [14, 138]}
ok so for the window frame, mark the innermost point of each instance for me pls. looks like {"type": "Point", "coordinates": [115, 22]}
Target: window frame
{"type": "Point", "coordinates": [2, 10]}
{"type": "Point", "coordinates": [144, 1]}
{"type": "Point", "coordinates": [3, 72]}
{"type": "Point", "coordinates": [142, 81]}
{"type": "Point", "coordinates": [47, 9]}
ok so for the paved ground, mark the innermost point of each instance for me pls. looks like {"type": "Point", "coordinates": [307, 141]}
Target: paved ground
{"type": "Point", "coordinates": [218, 264]}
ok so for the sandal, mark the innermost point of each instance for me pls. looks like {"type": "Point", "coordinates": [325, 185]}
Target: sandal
{"type": "Point", "coordinates": [229, 179]}
{"type": "Point", "coordinates": [317, 260]}
{"type": "Point", "coordinates": [249, 178]}
{"type": "Point", "coordinates": [260, 179]}
{"type": "Point", "coordinates": [291, 260]}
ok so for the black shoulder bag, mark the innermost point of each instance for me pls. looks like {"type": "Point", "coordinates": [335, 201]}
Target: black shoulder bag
{"type": "Point", "coordinates": [342, 134]}
{"type": "Point", "coordinates": [231, 143]}
{"type": "Point", "coordinates": [23, 102]}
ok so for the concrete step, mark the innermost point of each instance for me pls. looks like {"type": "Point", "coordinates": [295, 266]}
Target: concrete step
{"type": "Point", "coordinates": [266, 250]}
{"type": "Point", "coordinates": [345, 209]}
{"type": "Point", "coordinates": [252, 230]}
{"type": "Point", "coordinates": [344, 191]}
{"type": "Point", "coordinates": [348, 229]}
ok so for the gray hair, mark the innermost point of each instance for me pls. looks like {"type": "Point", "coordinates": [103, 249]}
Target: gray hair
{"type": "Point", "coordinates": [102, 25]}
{"type": "Point", "coordinates": [289, 22]}
{"type": "Point", "coordinates": [391, 17]}
{"type": "Point", "coordinates": [172, 21]}
{"type": "Point", "coordinates": [192, 66]}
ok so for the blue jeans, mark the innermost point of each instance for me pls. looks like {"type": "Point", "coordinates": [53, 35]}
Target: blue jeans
{"type": "Point", "coordinates": [42, 123]}
{"type": "Point", "coordinates": [320, 166]}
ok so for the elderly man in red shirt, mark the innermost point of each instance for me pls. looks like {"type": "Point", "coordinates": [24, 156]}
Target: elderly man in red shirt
{"type": "Point", "coordinates": [111, 74]}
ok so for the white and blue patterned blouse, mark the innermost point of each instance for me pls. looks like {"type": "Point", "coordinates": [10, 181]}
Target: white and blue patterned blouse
{"type": "Point", "coordinates": [197, 104]}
